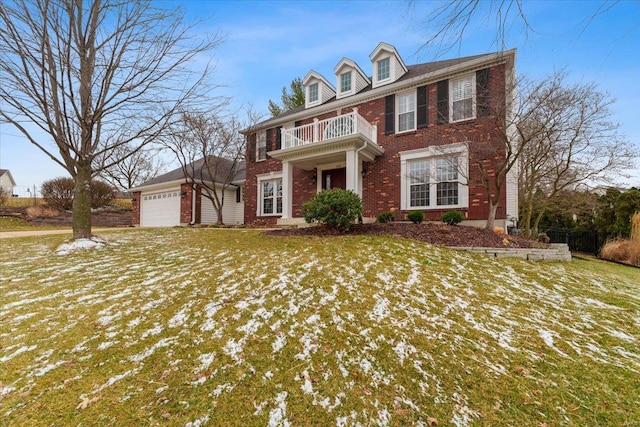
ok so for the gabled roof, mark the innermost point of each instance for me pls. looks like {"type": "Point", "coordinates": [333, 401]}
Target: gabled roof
{"type": "Point", "coordinates": [315, 75]}
{"type": "Point", "coordinates": [382, 46]}
{"type": "Point", "coordinates": [426, 71]}
{"type": "Point", "coordinates": [177, 175]}
{"type": "Point", "coordinates": [348, 62]}
{"type": "Point", "coordinates": [6, 172]}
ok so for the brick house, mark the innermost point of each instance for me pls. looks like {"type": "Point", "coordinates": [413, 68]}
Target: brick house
{"type": "Point", "coordinates": [402, 138]}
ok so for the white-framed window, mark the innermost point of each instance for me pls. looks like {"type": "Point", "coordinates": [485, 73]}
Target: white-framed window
{"type": "Point", "coordinates": [406, 111]}
{"type": "Point", "coordinates": [384, 69]}
{"type": "Point", "coordinates": [313, 92]}
{"type": "Point", "coordinates": [261, 145]}
{"type": "Point", "coordinates": [270, 192]}
{"type": "Point", "coordinates": [462, 98]}
{"type": "Point", "coordinates": [434, 178]}
{"type": "Point", "coordinates": [345, 82]}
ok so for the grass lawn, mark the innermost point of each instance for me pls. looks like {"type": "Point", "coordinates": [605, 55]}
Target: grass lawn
{"type": "Point", "coordinates": [18, 224]}
{"type": "Point", "coordinates": [196, 327]}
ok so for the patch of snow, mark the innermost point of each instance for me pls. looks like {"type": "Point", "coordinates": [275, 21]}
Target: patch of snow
{"type": "Point", "coordinates": [279, 343]}
{"type": "Point", "coordinates": [17, 352]}
{"type": "Point", "coordinates": [278, 415]}
{"type": "Point", "coordinates": [6, 390]}
{"type": "Point", "coordinates": [205, 360]}
{"type": "Point", "coordinates": [80, 244]}
{"type": "Point", "coordinates": [199, 422]}
{"type": "Point", "coordinates": [381, 309]}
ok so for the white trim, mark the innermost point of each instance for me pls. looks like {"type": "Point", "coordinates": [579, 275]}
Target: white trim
{"type": "Point", "coordinates": [397, 110]}
{"type": "Point", "coordinates": [272, 176]}
{"type": "Point", "coordinates": [472, 76]}
{"type": "Point", "coordinates": [432, 153]}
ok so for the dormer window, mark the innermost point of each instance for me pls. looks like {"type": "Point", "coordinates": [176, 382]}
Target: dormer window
{"type": "Point", "coordinates": [383, 69]}
{"type": "Point", "coordinates": [345, 82]}
{"type": "Point", "coordinates": [313, 92]}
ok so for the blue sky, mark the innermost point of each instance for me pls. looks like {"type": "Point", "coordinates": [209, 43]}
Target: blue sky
{"type": "Point", "coordinates": [267, 44]}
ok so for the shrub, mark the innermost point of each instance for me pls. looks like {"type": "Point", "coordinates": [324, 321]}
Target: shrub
{"type": "Point", "coordinates": [58, 193]}
{"type": "Point", "coordinates": [415, 217]}
{"type": "Point", "coordinates": [615, 250]}
{"type": "Point", "coordinates": [4, 196]}
{"type": "Point", "coordinates": [101, 194]}
{"type": "Point", "coordinates": [452, 217]}
{"type": "Point", "coordinates": [336, 208]}
{"type": "Point", "coordinates": [42, 212]}
{"type": "Point", "coordinates": [386, 217]}
{"type": "Point", "coordinates": [634, 249]}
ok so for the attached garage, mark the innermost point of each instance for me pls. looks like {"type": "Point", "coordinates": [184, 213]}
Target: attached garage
{"type": "Point", "coordinates": [160, 209]}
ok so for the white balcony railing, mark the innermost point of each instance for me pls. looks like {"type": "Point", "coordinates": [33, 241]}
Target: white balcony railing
{"type": "Point", "coordinates": [324, 130]}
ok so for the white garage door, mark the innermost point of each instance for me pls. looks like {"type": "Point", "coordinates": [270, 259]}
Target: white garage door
{"type": "Point", "coordinates": [161, 209]}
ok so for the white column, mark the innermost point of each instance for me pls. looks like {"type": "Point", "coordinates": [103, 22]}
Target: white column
{"type": "Point", "coordinates": [353, 172]}
{"type": "Point", "coordinates": [287, 189]}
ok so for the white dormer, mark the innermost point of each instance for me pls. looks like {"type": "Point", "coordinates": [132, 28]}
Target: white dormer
{"type": "Point", "coordinates": [317, 90]}
{"type": "Point", "coordinates": [350, 79]}
{"type": "Point", "coordinates": [387, 64]}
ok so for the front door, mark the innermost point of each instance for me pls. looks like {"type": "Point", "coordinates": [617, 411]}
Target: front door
{"type": "Point", "coordinates": [334, 178]}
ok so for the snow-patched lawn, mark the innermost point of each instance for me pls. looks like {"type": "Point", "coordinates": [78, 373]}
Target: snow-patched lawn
{"type": "Point", "coordinates": [200, 327]}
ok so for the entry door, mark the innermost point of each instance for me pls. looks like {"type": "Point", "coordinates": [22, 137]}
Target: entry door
{"type": "Point", "coordinates": [334, 178]}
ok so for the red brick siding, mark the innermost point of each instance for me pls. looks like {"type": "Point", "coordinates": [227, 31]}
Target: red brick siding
{"type": "Point", "coordinates": [135, 208]}
{"type": "Point", "coordinates": [381, 185]}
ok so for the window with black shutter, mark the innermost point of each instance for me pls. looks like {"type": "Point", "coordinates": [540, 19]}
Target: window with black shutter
{"type": "Point", "coordinates": [278, 137]}
{"type": "Point", "coordinates": [389, 114]}
{"type": "Point", "coordinates": [422, 110]}
{"type": "Point", "coordinates": [482, 92]}
{"type": "Point", "coordinates": [443, 101]}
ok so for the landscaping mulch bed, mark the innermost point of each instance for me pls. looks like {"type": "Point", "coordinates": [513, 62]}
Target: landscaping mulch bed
{"type": "Point", "coordinates": [437, 234]}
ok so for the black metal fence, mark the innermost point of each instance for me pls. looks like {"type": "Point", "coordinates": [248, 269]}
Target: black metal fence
{"type": "Point", "coordinates": [587, 241]}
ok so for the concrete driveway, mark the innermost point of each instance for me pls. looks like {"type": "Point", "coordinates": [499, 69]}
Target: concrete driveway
{"type": "Point", "coordinates": [12, 234]}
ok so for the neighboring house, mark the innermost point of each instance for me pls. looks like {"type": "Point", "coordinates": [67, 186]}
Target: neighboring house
{"type": "Point", "coordinates": [6, 181]}
{"type": "Point", "coordinates": [400, 138]}
{"type": "Point", "coordinates": [171, 199]}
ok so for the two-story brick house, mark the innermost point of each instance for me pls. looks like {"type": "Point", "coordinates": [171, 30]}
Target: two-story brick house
{"type": "Point", "coordinates": [402, 138]}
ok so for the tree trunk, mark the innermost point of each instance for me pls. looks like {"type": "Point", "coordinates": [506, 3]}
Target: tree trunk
{"type": "Point", "coordinates": [491, 218]}
{"type": "Point", "coordinates": [81, 220]}
{"type": "Point", "coordinates": [219, 212]}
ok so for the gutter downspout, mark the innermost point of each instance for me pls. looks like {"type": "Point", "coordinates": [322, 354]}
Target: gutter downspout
{"type": "Point", "coordinates": [193, 204]}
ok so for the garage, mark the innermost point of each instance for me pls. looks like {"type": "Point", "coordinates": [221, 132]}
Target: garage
{"type": "Point", "coordinates": [160, 209]}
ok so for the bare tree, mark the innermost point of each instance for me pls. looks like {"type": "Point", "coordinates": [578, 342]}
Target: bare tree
{"type": "Point", "coordinates": [95, 75]}
{"type": "Point", "coordinates": [210, 150]}
{"type": "Point", "coordinates": [573, 141]}
{"type": "Point", "coordinates": [449, 20]}
{"type": "Point", "coordinates": [134, 167]}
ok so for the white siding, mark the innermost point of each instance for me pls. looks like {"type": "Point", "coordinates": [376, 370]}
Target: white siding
{"type": "Point", "coordinates": [512, 192]}
{"type": "Point", "coordinates": [232, 212]}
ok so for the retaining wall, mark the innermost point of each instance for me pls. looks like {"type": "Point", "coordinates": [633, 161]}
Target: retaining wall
{"type": "Point", "coordinates": [556, 252]}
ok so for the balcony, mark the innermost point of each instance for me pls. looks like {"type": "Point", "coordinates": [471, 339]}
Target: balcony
{"type": "Point", "coordinates": [346, 125]}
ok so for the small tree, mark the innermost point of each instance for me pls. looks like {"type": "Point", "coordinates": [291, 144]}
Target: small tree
{"type": "Point", "coordinates": [290, 100]}
{"type": "Point", "coordinates": [210, 150]}
{"type": "Point", "coordinates": [59, 193]}
{"type": "Point", "coordinates": [336, 207]}
{"type": "Point", "coordinates": [135, 166]}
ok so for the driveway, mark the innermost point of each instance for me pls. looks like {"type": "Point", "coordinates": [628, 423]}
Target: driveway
{"type": "Point", "coordinates": [12, 234]}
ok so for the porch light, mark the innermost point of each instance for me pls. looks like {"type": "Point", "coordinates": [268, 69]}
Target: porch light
{"type": "Point", "coordinates": [183, 194]}
{"type": "Point", "coordinates": [314, 178]}
{"type": "Point", "coordinates": [364, 172]}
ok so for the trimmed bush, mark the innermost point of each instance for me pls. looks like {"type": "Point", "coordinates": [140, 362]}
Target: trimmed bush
{"type": "Point", "coordinates": [58, 193]}
{"type": "Point", "coordinates": [336, 207]}
{"type": "Point", "coordinates": [386, 217]}
{"type": "Point", "coordinates": [415, 217]}
{"type": "Point", "coordinates": [452, 217]}
{"type": "Point", "coordinates": [4, 196]}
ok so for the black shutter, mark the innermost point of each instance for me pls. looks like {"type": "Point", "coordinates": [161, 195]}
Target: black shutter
{"type": "Point", "coordinates": [251, 147]}
{"type": "Point", "coordinates": [443, 101]}
{"type": "Point", "coordinates": [278, 137]}
{"type": "Point", "coordinates": [298, 123]}
{"type": "Point", "coordinates": [268, 145]}
{"type": "Point", "coordinates": [423, 102]}
{"type": "Point", "coordinates": [389, 114]}
{"type": "Point", "coordinates": [482, 92]}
